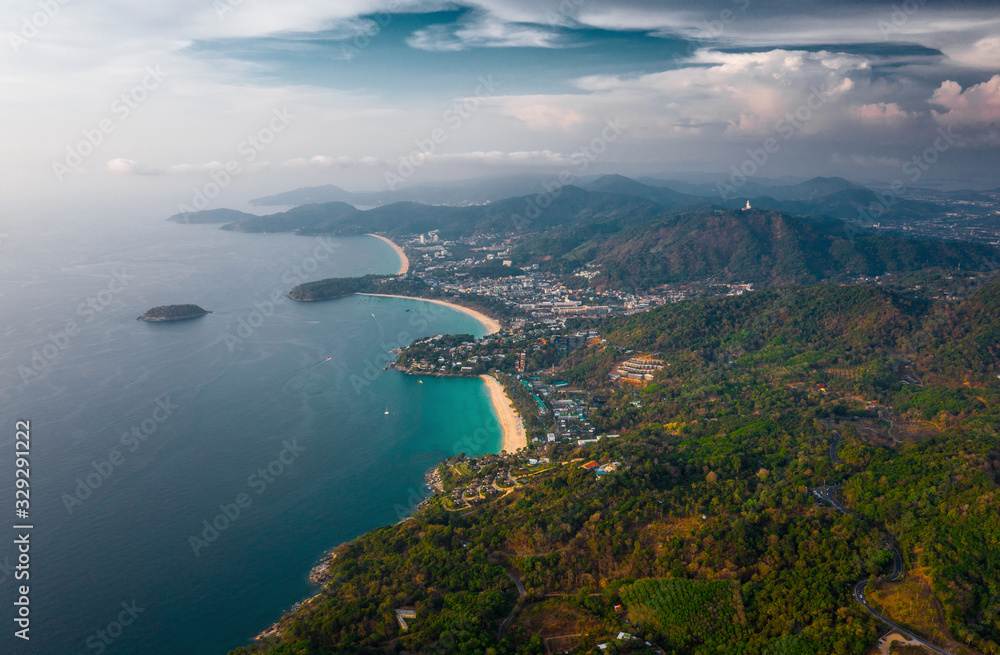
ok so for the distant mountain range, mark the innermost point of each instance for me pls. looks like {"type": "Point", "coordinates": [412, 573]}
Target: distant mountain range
{"type": "Point", "coordinates": [644, 234]}
{"type": "Point", "coordinates": [210, 216]}
{"type": "Point", "coordinates": [569, 206]}
{"type": "Point", "coordinates": [465, 192]}
{"type": "Point", "coordinates": [829, 196]}
{"type": "Point", "coordinates": [471, 192]}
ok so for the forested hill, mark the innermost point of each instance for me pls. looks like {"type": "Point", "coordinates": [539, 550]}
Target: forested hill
{"type": "Point", "coordinates": [768, 248]}
{"type": "Point", "coordinates": [963, 340]}
{"type": "Point", "coordinates": [859, 321]}
{"type": "Point", "coordinates": [707, 538]}
{"type": "Point", "coordinates": [210, 216]}
{"type": "Point", "coordinates": [568, 207]}
{"type": "Point", "coordinates": [640, 241]}
{"type": "Point", "coordinates": [294, 219]}
{"type": "Point", "coordinates": [809, 329]}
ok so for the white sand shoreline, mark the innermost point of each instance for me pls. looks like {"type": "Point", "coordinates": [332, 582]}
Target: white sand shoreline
{"type": "Point", "coordinates": [492, 326]}
{"type": "Point", "coordinates": [514, 436]}
{"type": "Point", "coordinates": [404, 262]}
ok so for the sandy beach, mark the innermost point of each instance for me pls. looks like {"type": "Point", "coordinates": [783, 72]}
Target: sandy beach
{"type": "Point", "coordinates": [404, 262]}
{"type": "Point", "coordinates": [514, 436]}
{"type": "Point", "coordinates": [490, 324]}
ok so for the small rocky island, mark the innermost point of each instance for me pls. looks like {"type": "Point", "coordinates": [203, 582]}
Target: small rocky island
{"type": "Point", "coordinates": [173, 313]}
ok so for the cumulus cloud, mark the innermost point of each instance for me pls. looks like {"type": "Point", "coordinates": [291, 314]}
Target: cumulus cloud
{"type": "Point", "coordinates": [325, 161]}
{"type": "Point", "coordinates": [122, 166]}
{"type": "Point", "coordinates": [539, 113]}
{"type": "Point", "coordinates": [983, 53]}
{"type": "Point", "coordinates": [748, 92]}
{"type": "Point", "coordinates": [880, 112]}
{"type": "Point", "coordinates": [489, 157]}
{"type": "Point", "coordinates": [483, 31]}
{"type": "Point", "coordinates": [980, 103]}
{"type": "Point", "coordinates": [706, 102]}
{"type": "Point", "coordinates": [196, 168]}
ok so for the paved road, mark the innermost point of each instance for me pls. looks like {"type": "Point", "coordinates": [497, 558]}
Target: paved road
{"type": "Point", "coordinates": [834, 445]}
{"type": "Point", "coordinates": [517, 583]}
{"type": "Point", "coordinates": [859, 595]}
{"type": "Point", "coordinates": [521, 592]}
{"type": "Point", "coordinates": [827, 494]}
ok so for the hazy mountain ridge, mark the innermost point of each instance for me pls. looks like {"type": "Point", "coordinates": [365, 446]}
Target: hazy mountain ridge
{"type": "Point", "coordinates": [221, 215]}
{"type": "Point", "coordinates": [644, 235]}
{"type": "Point", "coordinates": [462, 192]}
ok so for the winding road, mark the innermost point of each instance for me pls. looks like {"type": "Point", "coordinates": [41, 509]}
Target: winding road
{"type": "Point", "coordinates": [521, 593]}
{"type": "Point", "coordinates": [826, 494]}
{"type": "Point", "coordinates": [859, 595]}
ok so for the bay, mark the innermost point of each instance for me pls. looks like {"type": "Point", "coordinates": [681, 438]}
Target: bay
{"type": "Point", "coordinates": [147, 438]}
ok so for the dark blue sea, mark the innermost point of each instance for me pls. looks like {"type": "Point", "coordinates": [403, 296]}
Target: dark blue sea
{"type": "Point", "coordinates": [186, 476]}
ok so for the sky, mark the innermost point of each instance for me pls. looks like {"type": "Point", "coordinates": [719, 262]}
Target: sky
{"type": "Point", "coordinates": [241, 98]}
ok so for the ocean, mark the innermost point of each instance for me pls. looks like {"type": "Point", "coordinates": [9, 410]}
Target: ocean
{"type": "Point", "coordinates": [186, 476]}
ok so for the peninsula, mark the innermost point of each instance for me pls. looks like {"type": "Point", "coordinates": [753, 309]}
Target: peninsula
{"type": "Point", "coordinates": [173, 313]}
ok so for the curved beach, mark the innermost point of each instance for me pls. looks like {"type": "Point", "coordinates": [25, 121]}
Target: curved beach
{"type": "Point", "coordinates": [491, 325]}
{"type": "Point", "coordinates": [514, 436]}
{"type": "Point", "coordinates": [404, 262]}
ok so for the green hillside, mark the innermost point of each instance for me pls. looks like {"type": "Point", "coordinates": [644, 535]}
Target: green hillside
{"type": "Point", "coordinates": [767, 248]}
{"type": "Point", "coordinates": [706, 537]}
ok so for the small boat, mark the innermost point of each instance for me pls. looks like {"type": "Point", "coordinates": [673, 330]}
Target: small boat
{"type": "Point", "coordinates": [387, 410]}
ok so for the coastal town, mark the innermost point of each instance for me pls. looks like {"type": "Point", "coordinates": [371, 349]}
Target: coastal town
{"type": "Point", "coordinates": [553, 423]}
{"type": "Point", "coordinates": [545, 318]}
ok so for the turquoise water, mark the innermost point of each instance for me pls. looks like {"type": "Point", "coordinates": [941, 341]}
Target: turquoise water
{"type": "Point", "coordinates": [144, 435]}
